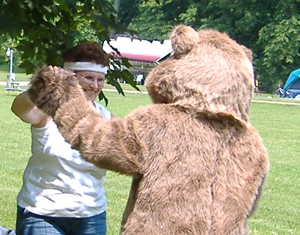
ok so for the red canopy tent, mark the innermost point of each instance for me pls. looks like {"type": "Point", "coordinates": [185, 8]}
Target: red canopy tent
{"type": "Point", "coordinates": [149, 59]}
{"type": "Point", "coordinates": [140, 51]}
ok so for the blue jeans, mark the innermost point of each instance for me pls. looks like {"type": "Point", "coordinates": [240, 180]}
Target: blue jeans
{"type": "Point", "coordinates": [32, 224]}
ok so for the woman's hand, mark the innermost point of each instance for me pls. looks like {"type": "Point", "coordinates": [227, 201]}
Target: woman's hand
{"type": "Point", "coordinates": [52, 86]}
{"type": "Point", "coordinates": [60, 73]}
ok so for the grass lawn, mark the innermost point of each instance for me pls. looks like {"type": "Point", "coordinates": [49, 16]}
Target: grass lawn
{"type": "Point", "coordinates": [279, 209]}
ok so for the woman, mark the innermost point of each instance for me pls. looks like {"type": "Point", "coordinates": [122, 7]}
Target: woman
{"type": "Point", "coordinates": [62, 193]}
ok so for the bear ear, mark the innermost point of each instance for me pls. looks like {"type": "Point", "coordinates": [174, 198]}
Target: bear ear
{"type": "Point", "coordinates": [248, 53]}
{"type": "Point", "coordinates": [184, 39]}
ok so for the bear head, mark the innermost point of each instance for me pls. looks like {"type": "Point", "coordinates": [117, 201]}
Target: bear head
{"type": "Point", "coordinates": [208, 72]}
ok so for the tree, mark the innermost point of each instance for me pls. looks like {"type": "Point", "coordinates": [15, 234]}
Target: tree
{"type": "Point", "coordinates": [128, 10]}
{"type": "Point", "coordinates": [268, 28]}
{"type": "Point", "coordinates": [280, 44]}
{"type": "Point", "coordinates": [149, 20]}
{"type": "Point", "coordinates": [45, 28]}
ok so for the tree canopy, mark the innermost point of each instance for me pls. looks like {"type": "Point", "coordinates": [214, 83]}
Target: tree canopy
{"type": "Point", "coordinates": [269, 28]}
{"type": "Point", "coordinates": [40, 30]}
{"type": "Point", "coordinates": [45, 28]}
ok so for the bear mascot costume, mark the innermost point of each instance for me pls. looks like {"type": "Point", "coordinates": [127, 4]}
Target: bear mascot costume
{"type": "Point", "coordinates": [197, 164]}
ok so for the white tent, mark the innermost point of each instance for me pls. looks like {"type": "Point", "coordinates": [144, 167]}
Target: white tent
{"type": "Point", "coordinates": [138, 50]}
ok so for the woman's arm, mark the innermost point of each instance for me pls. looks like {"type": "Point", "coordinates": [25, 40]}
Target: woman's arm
{"type": "Point", "coordinates": [61, 97]}
{"type": "Point", "coordinates": [28, 112]}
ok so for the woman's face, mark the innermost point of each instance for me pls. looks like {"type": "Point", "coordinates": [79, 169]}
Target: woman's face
{"type": "Point", "coordinates": [91, 82]}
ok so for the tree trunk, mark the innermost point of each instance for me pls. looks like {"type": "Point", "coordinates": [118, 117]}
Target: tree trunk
{"type": "Point", "coordinates": [117, 8]}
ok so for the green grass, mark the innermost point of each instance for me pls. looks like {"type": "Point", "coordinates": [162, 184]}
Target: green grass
{"type": "Point", "coordinates": [18, 76]}
{"type": "Point", "coordinates": [278, 212]}
{"type": "Point", "coordinates": [279, 209]}
{"type": "Point", "coordinates": [15, 151]}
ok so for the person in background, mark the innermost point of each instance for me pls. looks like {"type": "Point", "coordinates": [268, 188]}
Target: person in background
{"type": "Point", "coordinates": [140, 78]}
{"type": "Point", "coordinates": [256, 86]}
{"type": "Point", "coordinates": [61, 192]}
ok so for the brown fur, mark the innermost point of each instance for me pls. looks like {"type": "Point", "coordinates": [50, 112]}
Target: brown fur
{"type": "Point", "coordinates": [198, 165]}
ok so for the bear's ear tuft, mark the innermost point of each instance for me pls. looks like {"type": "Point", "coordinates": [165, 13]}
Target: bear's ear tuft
{"type": "Point", "coordinates": [248, 53]}
{"type": "Point", "coordinates": [184, 39]}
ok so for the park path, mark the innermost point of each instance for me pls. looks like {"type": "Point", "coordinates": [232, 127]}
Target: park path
{"type": "Point", "coordinates": [274, 102]}
{"type": "Point", "coordinates": [144, 92]}
{"type": "Point", "coordinates": [255, 101]}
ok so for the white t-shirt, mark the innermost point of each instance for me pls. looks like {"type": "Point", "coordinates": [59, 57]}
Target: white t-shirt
{"type": "Point", "coordinates": [57, 181]}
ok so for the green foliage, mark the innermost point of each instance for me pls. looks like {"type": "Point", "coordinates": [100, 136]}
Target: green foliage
{"type": "Point", "coordinates": [128, 11]}
{"type": "Point", "coordinates": [8, 42]}
{"type": "Point", "coordinates": [150, 23]}
{"type": "Point", "coordinates": [268, 28]}
{"type": "Point", "coordinates": [281, 50]}
{"type": "Point", "coordinates": [44, 29]}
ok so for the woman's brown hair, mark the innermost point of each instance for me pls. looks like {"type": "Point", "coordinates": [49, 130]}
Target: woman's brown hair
{"type": "Point", "coordinates": [86, 52]}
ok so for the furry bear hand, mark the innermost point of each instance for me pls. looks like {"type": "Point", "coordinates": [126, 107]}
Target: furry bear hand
{"type": "Point", "coordinates": [51, 87]}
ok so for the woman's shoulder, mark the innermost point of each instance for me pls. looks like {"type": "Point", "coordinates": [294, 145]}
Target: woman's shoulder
{"type": "Point", "coordinates": [106, 114]}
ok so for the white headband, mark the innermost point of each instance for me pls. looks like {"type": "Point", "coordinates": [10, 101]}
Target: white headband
{"type": "Point", "coordinates": [88, 66]}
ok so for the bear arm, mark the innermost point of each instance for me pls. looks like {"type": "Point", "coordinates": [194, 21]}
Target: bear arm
{"type": "Point", "coordinates": [257, 198]}
{"type": "Point", "coordinates": [109, 145]}
{"type": "Point", "coordinates": [131, 200]}
{"type": "Point", "coordinates": [48, 91]}
{"type": "Point", "coordinates": [262, 167]}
